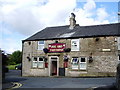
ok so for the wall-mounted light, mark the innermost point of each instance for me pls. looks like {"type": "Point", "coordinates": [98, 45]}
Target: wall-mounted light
{"type": "Point", "coordinates": [90, 58]}
{"type": "Point", "coordinates": [29, 43]}
{"type": "Point", "coordinates": [96, 39]}
{"type": "Point", "coordinates": [56, 41]}
{"type": "Point", "coordinates": [28, 58]}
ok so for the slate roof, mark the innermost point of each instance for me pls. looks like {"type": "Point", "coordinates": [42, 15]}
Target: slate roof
{"type": "Point", "coordinates": [61, 32]}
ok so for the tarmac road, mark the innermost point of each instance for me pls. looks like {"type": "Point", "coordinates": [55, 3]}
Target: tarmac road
{"type": "Point", "coordinates": [14, 76]}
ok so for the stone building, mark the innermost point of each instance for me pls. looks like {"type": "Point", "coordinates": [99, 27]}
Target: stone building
{"type": "Point", "coordinates": [72, 50]}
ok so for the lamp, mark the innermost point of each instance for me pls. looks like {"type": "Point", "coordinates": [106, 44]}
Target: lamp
{"type": "Point", "coordinates": [90, 58]}
{"type": "Point", "coordinates": [28, 58]}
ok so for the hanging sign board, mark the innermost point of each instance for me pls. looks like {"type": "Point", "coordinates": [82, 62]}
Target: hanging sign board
{"type": "Point", "coordinates": [56, 47]}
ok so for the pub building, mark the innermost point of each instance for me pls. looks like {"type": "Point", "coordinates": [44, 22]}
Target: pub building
{"type": "Point", "coordinates": [72, 50]}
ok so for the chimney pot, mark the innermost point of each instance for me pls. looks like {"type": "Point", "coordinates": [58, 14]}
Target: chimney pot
{"type": "Point", "coordinates": [72, 21]}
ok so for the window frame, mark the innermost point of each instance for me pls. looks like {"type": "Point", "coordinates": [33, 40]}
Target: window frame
{"type": "Point", "coordinates": [118, 44]}
{"type": "Point", "coordinates": [37, 67]}
{"type": "Point", "coordinates": [83, 63]}
{"type": "Point", "coordinates": [77, 43]}
{"type": "Point", "coordinates": [76, 65]}
{"type": "Point", "coordinates": [34, 62]}
{"type": "Point", "coordinates": [40, 46]}
{"type": "Point", "coordinates": [40, 62]}
{"type": "Point", "coordinates": [79, 62]}
{"type": "Point", "coordinates": [119, 57]}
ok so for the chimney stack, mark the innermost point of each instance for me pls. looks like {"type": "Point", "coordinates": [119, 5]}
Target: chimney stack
{"type": "Point", "coordinates": [72, 21]}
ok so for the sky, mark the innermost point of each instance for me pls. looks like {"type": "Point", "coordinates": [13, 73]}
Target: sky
{"type": "Point", "coordinates": [20, 19]}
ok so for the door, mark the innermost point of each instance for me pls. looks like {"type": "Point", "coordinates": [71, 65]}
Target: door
{"type": "Point", "coordinates": [54, 68]}
{"type": "Point", "coordinates": [53, 65]}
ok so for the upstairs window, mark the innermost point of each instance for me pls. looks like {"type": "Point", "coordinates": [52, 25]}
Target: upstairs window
{"type": "Point", "coordinates": [41, 45]}
{"type": "Point", "coordinates": [75, 45]}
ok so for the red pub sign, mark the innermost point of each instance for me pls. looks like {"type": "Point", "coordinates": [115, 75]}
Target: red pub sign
{"type": "Point", "coordinates": [57, 47]}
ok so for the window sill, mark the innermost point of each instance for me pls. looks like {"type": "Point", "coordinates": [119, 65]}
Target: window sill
{"type": "Point", "coordinates": [78, 69]}
{"type": "Point", "coordinates": [37, 68]}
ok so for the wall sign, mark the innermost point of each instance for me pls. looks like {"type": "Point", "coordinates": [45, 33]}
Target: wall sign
{"type": "Point", "coordinates": [56, 47]}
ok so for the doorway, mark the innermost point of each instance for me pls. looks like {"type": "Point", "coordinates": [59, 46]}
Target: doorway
{"type": "Point", "coordinates": [53, 67]}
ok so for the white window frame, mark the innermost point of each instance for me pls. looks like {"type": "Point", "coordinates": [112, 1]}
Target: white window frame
{"type": "Point", "coordinates": [34, 62]}
{"type": "Point", "coordinates": [73, 66]}
{"type": "Point", "coordinates": [42, 62]}
{"type": "Point", "coordinates": [38, 62]}
{"type": "Point", "coordinates": [118, 40]}
{"type": "Point", "coordinates": [41, 45]}
{"type": "Point", "coordinates": [119, 57]}
{"type": "Point", "coordinates": [84, 63]}
{"type": "Point", "coordinates": [73, 45]}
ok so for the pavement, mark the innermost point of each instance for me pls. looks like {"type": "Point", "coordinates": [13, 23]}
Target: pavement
{"type": "Point", "coordinates": [14, 80]}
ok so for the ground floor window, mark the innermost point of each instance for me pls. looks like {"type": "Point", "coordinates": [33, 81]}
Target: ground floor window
{"type": "Point", "coordinates": [82, 63]}
{"type": "Point", "coordinates": [75, 61]}
{"type": "Point", "coordinates": [78, 63]}
{"type": "Point", "coordinates": [118, 57]}
{"type": "Point", "coordinates": [38, 62]}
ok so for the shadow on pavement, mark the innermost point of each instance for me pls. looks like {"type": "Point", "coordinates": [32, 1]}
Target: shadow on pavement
{"type": "Point", "coordinates": [112, 87]}
{"type": "Point", "coordinates": [10, 77]}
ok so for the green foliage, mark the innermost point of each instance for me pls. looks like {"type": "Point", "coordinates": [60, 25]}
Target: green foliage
{"type": "Point", "coordinates": [15, 58]}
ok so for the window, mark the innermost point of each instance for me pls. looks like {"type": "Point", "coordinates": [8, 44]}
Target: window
{"type": "Point", "coordinates": [78, 63]}
{"type": "Point", "coordinates": [75, 45]}
{"type": "Point", "coordinates": [41, 45]}
{"type": "Point", "coordinates": [118, 57]}
{"type": "Point", "coordinates": [118, 43]}
{"type": "Point", "coordinates": [75, 63]}
{"type": "Point", "coordinates": [35, 62]}
{"type": "Point", "coordinates": [82, 63]}
{"type": "Point", "coordinates": [38, 62]}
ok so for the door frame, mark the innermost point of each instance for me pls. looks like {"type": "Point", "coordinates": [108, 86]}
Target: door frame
{"type": "Point", "coordinates": [50, 64]}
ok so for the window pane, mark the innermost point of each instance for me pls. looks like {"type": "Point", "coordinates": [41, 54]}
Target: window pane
{"type": "Point", "coordinates": [75, 45]}
{"type": "Point", "coordinates": [118, 43]}
{"type": "Point", "coordinates": [35, 59]}
{"type": "Point", "coordinates": [40, 42]}
{"type": "Point", "coordinates": [75, 63]}
{"type": "Point", "coordinates": [40, 47]}
{"type": "Point", "coordinates": [75, 60]}
{"type": "Point", "coordinates": [34, 64]}
{"type": "Point", "coordinates": [119, 57]}
{"type": "Point", "coordinates": [82, 59]}
{"type": "Point", "coordinates": [82, 65]}
{"type": "Point", "coordinates": [74, 66]}
{"type": "Point", "coordinates": [40, 59]}
{"type": "Point", "coordinates": [40, 64]}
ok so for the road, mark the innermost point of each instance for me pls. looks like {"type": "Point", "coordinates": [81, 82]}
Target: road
{"type": "Point", "coordinates": [52, 82]}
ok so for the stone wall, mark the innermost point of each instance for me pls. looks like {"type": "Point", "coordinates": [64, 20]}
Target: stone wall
{"type": "Point", "coordinates": [103, 50]}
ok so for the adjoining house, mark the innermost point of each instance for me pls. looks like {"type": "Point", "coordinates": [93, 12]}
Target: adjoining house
{"type": "Point", "coordinates": [72, 50]}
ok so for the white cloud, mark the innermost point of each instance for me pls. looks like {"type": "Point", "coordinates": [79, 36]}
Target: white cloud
{"type": "Point", "coordinates": [31, 15]}
{"type": "Point", "coordinates": [84, 16]}
{"type": "Point", "coordinates": [9, 45]}
{"type": "Point", "coordinates": [28, 16]}
{"type": "Point", "coordinates": [101, 14]}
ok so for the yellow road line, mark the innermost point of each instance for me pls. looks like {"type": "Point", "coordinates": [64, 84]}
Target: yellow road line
{"type": "Point", "coordinates": [16, 85]}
